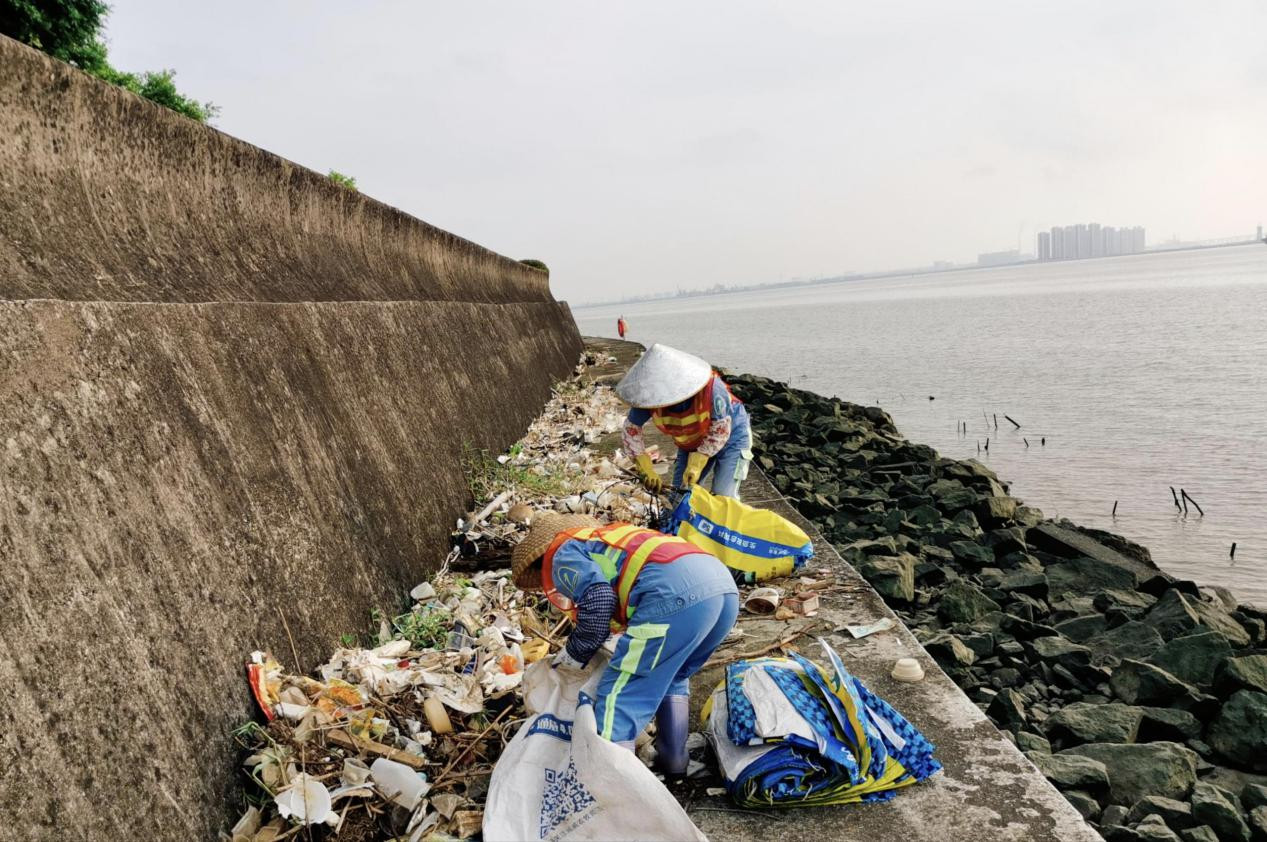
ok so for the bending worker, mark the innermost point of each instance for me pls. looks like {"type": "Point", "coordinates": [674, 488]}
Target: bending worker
{"type": "Point", "coordinates": [673, 602]}
{"type": "Point", "coordinates": [689, 402]}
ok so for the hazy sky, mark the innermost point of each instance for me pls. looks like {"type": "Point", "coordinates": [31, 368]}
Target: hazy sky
{"type": "Point", "coordinates": [645, 146]}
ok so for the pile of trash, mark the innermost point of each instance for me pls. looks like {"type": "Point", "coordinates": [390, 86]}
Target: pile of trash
{"type": "Point", "coordinates": [396, 741]}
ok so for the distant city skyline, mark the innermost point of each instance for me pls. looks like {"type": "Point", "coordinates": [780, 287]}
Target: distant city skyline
{"type": "Point", "coordinates": [1070, 242]}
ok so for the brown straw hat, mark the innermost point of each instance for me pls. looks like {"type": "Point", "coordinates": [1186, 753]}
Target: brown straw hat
{"type": "Point", "coordinates": [525, 559]}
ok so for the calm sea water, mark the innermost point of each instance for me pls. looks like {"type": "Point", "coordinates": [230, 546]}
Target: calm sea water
{"type": "Point", "coordinates": [1140, 372]}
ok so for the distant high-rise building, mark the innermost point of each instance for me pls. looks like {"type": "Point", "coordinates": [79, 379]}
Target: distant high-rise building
{"type": "Point", "coordinates": [1044, 245]}
{"type": "Point", "coordinates": [1070, 235]}
{"type": "Point", "coordinates": [1069, 242]}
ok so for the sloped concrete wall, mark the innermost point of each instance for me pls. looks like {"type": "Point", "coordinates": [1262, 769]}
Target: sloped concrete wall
{"type": "Point", "coordinates": [217, 419]}
{"type": "Point", "coordinates": [107, 196]}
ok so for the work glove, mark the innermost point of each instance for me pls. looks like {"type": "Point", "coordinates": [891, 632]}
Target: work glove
{"type": "Point", "coordinates": [562, 660]}
{"type": "Point", "coordinates": [650, 479]}
{"type": "Point", "coordinates": [695, 464]}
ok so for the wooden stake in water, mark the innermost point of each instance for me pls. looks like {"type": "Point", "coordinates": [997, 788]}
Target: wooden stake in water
{"type": "Point", "coordinates": [1232, 554]}
{"type": "Point", "coordinates": [996, 420]}
{"type": "Point", "coordinates": [987, 444]}
{"type": "Point", "coordinates": [1176, 496]}
{"type": "Point", "coordinates": [1187, 498]}
{"type": "Point", "coordinates": [1013, 420]}
{"type": "Point", "coordinates": [1026, 443]}
{"type": "Point", "coordinates": [1114, 508]}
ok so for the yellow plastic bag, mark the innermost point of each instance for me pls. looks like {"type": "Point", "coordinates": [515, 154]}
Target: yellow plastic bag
{"type": "Point", "coordinates": [746, 539]}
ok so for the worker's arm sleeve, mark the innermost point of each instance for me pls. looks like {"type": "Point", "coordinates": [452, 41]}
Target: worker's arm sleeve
{"type": "Point", "coordinates": [720, 426]}
{"type": "Point", "coordinates": [593, 622]}
{"type": "Point", "coordinates": [631, 435]}
{"type": "Point", "coordinates": [573, 570]}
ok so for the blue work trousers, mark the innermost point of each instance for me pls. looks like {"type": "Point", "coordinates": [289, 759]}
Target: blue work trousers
{"type": "Point", "coordinates": [728, 468]}
{"type": "Point", "coordinates": [657, 659]}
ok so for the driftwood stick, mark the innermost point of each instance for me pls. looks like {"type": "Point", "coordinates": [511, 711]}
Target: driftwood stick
{"type": "Point", "coordinates": [1188, 499]}
{"type": "Point", "coordinates": [1013, 420]}
{"type": "Point", "coordinates": [764, 650]}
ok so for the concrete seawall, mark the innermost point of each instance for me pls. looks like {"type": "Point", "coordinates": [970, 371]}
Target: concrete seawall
{"type": "Point", "coordinates": [233, 403]}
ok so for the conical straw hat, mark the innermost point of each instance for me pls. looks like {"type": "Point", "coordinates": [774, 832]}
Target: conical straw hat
{"type": "Point", "coordinates": [525, 567]}
{"type": "Point", "coordinates": [664, 376]}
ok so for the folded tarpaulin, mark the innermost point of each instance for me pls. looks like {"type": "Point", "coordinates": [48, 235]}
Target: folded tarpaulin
{"type": "Point", "coordinates": [790, 733]}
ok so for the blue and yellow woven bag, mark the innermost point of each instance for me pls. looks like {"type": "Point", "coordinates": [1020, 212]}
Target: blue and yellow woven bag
{"type": "Point", "coordinates": [746, 539]}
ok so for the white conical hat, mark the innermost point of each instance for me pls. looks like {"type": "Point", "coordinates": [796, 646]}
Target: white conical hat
{"type": "Point", "coordinates": [664, 376]}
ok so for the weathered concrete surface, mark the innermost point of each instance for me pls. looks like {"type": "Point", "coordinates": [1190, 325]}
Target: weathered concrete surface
{"type": "Point", "coordinates": [178, 479]}
{"type": "Point", "coordinates": [107, 196]}
{"type": "Point", "coordinates": [233, 399]}
{"type": "Point", "coordinates": [988, 790]}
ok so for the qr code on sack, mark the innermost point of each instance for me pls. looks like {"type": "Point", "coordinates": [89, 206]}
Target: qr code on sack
{"type": "Point", "coordinates": [564, 797]}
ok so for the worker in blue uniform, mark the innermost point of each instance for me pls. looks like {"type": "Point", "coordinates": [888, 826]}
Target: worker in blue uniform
{"type": "Point", "coordinates": [671, 602]}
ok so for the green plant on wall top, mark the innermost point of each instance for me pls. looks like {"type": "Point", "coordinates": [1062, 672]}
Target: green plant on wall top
{"type": "Point", "coordinates": [70, 30]}
{"type": "Point", "coordinates": [342, 180]}
{"type": "Point", "coordinates": [536, 264]}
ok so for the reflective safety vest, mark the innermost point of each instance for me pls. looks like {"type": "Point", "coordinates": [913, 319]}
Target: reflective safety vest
{"type": "Point", "coordinates": [634, 546]}
{"type": "Point", "coordinates": [688, 426]}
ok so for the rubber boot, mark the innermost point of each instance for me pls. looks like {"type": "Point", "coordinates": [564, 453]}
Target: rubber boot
{"type": "Point", "coordinates": [672, 721]}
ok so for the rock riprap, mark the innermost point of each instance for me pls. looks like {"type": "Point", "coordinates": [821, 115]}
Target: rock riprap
{"type": "Point", "coordinates": [1070, 639]}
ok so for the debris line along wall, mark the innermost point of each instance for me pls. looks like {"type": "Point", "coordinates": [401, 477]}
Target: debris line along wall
{"type": "Point", "coordinates": [233, 405]}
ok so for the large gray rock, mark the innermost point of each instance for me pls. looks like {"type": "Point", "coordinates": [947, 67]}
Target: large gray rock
{"type": "Point", "coordinates": [1153, 829]}
{"type": "Point", "coordinates": [1087, 577]}
{"type": "Point", "coordinates": [1072, 772]}
{"type": "Point", "coordinates": [1027, 582]}
{"type": "Point", "coordinates": [1083, 722]}
{"type": "Point", "coordinates": [1170, 724]}
{"type": "Point", "coordinates": [1136, 770]}
{"type": "Point", "coordinates": [1258, 824]}
{"type": "Point", "coordinates": [1137, 682]}
{"type": "Point", "coordinates": [1239, 732]}
{"type": "Point", "coordinates": [1200, 833]}
{"type": "Point", "coordinates": [893, 577]}
{"type": "Point", "coordinates": [1254, 795]}
{"type": "Point", "coordinates": [949, 651]}
{"type": "Point", "coordinates": [1176, 814]}
{"type": "Point", "coordinates": [963, 602]}
{"type": "Point", "coordinates": [1242, 672]}
{"type": "Point", "coordinates": [1007, 709]}
{"type": "Point", "coordinates": [971, 554]}
{"type": "Point", "coordinates": [1194, 658]}
{"type": "Point", "coordinates": [1176, 615]}
{"type": "Point", "coordinates": [1054, 649]}
{"type": "Point", "coordinates": [1083, 629]}
{"type": "Point", "coordinates": [1218, 809]}
{"type": "Point", "coordinates": [1130, 640]}
{"type": "Point", "coordinates": [996, 511]}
